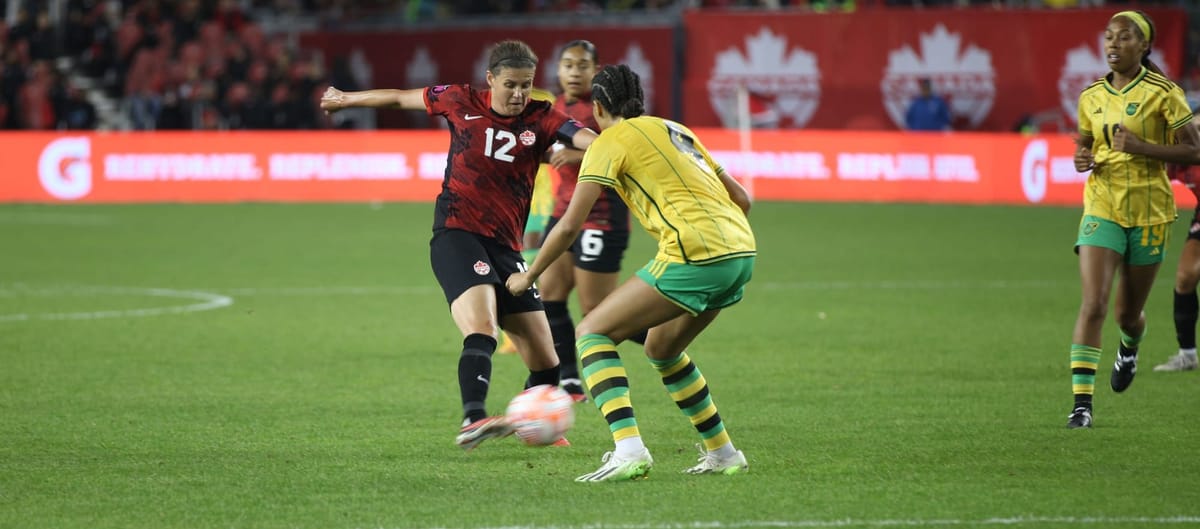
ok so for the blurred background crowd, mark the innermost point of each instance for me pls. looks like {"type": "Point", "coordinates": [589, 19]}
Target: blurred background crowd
{"type": "Point", "coordinates": [234, 64]}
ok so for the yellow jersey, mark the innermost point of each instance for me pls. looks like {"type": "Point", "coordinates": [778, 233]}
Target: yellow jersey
{"type": "Point", "coordinates": [671, 185]}
{"type": "Point", "coordinates": [1131, 190]}
{"type": "Point", "coordinates": [544, 185]}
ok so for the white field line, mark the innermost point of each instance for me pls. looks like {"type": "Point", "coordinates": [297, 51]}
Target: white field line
{"type": "Point", "coordinates": [1013, 521]}
{"type": "Point", "coordinates": [202, 301]}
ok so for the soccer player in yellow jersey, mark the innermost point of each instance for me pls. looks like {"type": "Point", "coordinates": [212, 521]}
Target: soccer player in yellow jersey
{"type": "Point", "coordinates": [1131, 122]}
{"type": "Point", "coordinates": [706, 250]}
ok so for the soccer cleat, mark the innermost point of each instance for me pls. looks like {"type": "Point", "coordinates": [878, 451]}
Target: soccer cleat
{"type": "Point", "coordinates": [711, 463]}
{"type": "Point", "coordinates": [1179, 362]}
{"type": "Point", "coordinates": [1122, 372]}
{"type": "Point", "coordinates": [574, 388]}
{"type": "Point", "coordinates": [479, 431]}
{"type": "Point", "coordinates": [620, 469]}
{"type": "Point", "coordinates": [562, 442]}
{"type": "Point", "coordinates": [506, 346]}
{"type": "Point", "coordinates": [1080, 418]}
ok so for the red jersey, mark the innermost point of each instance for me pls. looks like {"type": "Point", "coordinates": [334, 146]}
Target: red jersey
{"type": "Point", "coordinates": [492, 161]}
{"type": "Point", "coordinates": [609, 212]}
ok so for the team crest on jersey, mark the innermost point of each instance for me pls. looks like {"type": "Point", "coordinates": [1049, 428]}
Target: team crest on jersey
{"type": "Point", "coordinates": [1132, 108]}
{"type": "Point", "coordinates": [528, 138]}
{"type": "Point", "coordinates": [1088, 229]}
{"type": "Point", "coordinates": [482, 268]}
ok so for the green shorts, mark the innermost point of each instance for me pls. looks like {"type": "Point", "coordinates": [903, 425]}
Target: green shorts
{"type": "Point", "coordinates": [698, 288]}
{"type": "Point", "coordinates": [1139, 245]}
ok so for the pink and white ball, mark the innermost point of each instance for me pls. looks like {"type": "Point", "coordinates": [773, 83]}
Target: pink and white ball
{"type": "Point", "coordinates": [541, 415]}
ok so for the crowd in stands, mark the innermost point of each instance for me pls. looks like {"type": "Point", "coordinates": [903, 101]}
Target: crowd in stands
{"type": "Point", "coordinates": [207, 64]}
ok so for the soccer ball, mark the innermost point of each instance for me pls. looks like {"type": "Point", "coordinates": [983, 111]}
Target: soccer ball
{"type": "Point", "coordinates": [541, 415]}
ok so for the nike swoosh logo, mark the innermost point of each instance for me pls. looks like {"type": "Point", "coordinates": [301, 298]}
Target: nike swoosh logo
{"type": "Point", "coordinates": [587, 258]}
{"type": "Point", "coordinates": [481, 379]}
{"type": "Point", "coordinates": [469, 117]}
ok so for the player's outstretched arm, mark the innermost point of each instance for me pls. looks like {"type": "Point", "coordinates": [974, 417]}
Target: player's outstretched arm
{"type": "Point", "coordinates": [560, 238]}
{"type": "Point", "coordinates": [736, 192]}
{"type": "Point", "coordinates": [334, 100]}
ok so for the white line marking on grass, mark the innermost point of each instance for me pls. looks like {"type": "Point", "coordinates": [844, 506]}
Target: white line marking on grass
{"type": "Point", "coordinates": [998, 521]}
{"type": "Point", "coordinates": [204, 301]}
{"type": "Point", "coordinates": [327, 291]}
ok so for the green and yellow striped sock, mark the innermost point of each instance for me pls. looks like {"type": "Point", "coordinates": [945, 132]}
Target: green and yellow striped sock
{"type": "Point", "coordinates": [690, 392]}
{"type": "Point", "coordinates": [1084, 361]}
{"type": "Point", "coordinates": [605, 377]}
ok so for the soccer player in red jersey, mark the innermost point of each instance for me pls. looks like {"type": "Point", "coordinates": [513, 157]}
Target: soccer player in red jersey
{"type": "Point", "coordinates": [497, 139]}
{"type": "Point", "coordinates": [593, 263]}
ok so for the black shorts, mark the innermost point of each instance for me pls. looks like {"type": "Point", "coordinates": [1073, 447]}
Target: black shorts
{"type": "Point", "coordinates": [597, 251]}
{"type": "Point", "coordinates": [1194, 229]}
{"type": "Point", "coordinates": [462, 260]}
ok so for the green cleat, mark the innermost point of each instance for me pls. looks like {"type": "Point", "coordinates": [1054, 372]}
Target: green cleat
{"type": "Point", "coordinates": [620, 469]}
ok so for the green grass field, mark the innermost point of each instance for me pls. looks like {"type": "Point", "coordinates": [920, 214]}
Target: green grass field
{"type": "Point", "coordinates": [293, 366]}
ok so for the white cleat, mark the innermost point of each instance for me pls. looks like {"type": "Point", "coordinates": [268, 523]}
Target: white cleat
{"type": "Point", "coordinates": [620, 469]}
{"type": "Point", "coordinates": [1179, 362]}
{"type": "Point", "coordinates": [711, 463]}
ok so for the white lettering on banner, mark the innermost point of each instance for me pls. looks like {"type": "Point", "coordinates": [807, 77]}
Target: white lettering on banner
{"type": "Point", "coordinates": [783, 165]}
{"type": "Point", "coordinates": [955, 168]}
{"type": "Point", "coordinates": [431, 166]}
{"type": "Point", "coordinates": [888, 167]}
{"type": "Point", "coordinates": [65, 168]}
{"type": "Point", "coordinates": [339, 166]}
{"type": "Point", "coordinates": [181, 167]}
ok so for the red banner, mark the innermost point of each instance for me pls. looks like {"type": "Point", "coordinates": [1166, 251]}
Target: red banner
{"type": "Point", "coordinates": [963, 168]}
{"type": "Point", "coordinates": [423, 58]}
{"type": "Point", "coordinates": [859, 70]}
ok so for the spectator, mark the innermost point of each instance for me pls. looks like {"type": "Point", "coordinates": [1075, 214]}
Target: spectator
{"type": "Point", "coordinates": [927, 111]}
{"type": "Point", "coordinates": [76, 112]}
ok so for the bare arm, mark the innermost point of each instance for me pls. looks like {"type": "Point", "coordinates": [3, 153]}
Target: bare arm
{"type": "Point", "coordinates": [560, 238]}
{"type": "Point", "coordinates": [1185, 150]}
{"type": "Point", "coordinates": [582, 139]}
{"type": "Point", "coordinates": [334, 100]}
{"type": "Point", "coordinates": [736, 191]}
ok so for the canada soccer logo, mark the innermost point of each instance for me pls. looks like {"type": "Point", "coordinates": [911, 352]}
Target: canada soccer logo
{"type": "Point", "coordinates": [528, 138]}
{"type": "Point", "coordinates": [963, 76]}
{"type": "Point", "coordinates": [786, 81]}
{"type": "Point", "coordinates": [482, 268]}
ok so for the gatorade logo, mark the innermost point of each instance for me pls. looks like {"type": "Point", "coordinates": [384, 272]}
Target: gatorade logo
{"type": "Point", "coordinates": [65, 168]}
{"type": "Point", "coordinates": [1033, 170]}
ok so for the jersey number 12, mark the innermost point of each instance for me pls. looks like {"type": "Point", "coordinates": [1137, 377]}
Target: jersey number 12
{"type": "Point", "coordinates": [499, 142]}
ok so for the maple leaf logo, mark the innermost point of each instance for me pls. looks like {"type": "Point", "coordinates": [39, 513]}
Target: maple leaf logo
{"type": "Point", "coordinates": [787, 82]}
{"type": "Point", "coordinates": [964, 77]}
{"type": "Point", "coordinates": [1084, 65]}
{"type": "Point", "coordinates": [421, 70]}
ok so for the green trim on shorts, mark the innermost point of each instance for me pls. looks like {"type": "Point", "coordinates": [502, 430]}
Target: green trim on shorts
{"type": "Point", "coordinates": [1139, 245]}
{"type": "Point", "coordinates": [700, 288]}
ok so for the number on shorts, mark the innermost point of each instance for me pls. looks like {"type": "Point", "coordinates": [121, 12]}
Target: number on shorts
{"type": "Point", "coordinates": [591, 243]}
{"type": "Point", "coordinates": [1154, 235]}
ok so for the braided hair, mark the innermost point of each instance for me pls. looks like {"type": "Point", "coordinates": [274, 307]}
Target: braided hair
{"type": "Point", "coordinates": [619, 90]}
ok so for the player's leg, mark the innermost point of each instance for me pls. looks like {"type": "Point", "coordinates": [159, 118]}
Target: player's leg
{"type": "Point", "coordinates": [1147, 249]}
{"type": "Point", "coordinates": [596, 267]}
{"type": "Point", "coordinates": [1100, 245]}
{"type": "Point", "coordinates": [555, 285]}
{"type": "Point", "coordinates": [708, 289]}
{"type": "Point", "coordinates": [1186, 307]}
{"type": "Point", "coordinates": [633, 306]}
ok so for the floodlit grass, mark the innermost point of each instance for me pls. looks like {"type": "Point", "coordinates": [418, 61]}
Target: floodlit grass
{"type": "Point", "coordinates": [891, 365]}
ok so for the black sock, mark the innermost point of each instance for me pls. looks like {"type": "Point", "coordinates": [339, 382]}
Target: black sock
{"type": "Point", "coordinates": [1187, 309]}
{"type": "Point", "coordinates": [562, 331]}
{"type": "Point", "coordinates": [545, 376]}
{"type": "Point", "coordinates": [1083, 401]}
{"type": "Point", "coordinates": [475, 374]}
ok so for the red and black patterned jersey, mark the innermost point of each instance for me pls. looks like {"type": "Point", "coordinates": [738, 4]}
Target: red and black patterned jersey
{"type": "Point", "coordinates": [492, 162]}
{"type": "Point", "coordinates": [610, 212]}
